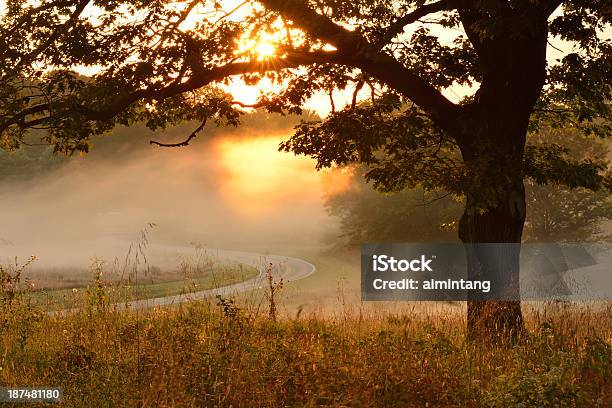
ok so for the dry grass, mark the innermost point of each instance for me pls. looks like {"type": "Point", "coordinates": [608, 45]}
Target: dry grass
{"type": "Point", "coordinates": [219, 354]}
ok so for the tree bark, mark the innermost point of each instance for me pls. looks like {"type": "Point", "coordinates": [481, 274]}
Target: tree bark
{"type": "Point", "coordinates": [492, 224]}
{"type": "Point", "coordinates": [478, 229]}
{"type": "Point", "coordinates": [492, 143]}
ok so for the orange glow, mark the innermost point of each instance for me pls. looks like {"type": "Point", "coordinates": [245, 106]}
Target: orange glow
{"type": "Point", "coordinates": [257, 177]}
{"type": "Point", "coordinates": [335, 182]}
{"type": "Point", "coordinates": [264, 49]}
{"type": "Point", "coordinates": [260, 48]}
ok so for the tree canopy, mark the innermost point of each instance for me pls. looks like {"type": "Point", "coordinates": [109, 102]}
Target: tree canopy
{"type": "Point", "coordinates": [158, 61]}
{"type": "Point", "coordinates": [77, 68]}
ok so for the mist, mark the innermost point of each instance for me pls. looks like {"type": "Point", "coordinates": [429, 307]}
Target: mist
{"type": "Point", "coordinates": [229, 189]}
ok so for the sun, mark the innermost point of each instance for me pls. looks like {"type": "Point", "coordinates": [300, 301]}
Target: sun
{"type": "Point", "coordinates": [264, 49]}
{"type": "Point", "coordinates": [260, 48]}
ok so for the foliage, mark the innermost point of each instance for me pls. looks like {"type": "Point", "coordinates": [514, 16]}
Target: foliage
{"type": "Point", "coordinates": [160, 63]}
{"type": "Point", "coordinates": [415, 156]}
{"type": "Point", "coordinates": [558, 213]}
{"type": "Point", "coordinates": [28, 163]}
{"type": "Point", "coordinates": [554, 212]}
{"type": "Point", "coordinates": [19, 316]}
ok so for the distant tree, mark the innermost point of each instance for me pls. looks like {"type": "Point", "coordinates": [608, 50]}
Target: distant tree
{"type": "Point", "coordinates": [557, 213]}
{"type": "Point", "coordinates": [157, 61]}
{"type": "Point", "coordinates": [27, 163]}
{"type": "Point", "coordinates": [411, 215]}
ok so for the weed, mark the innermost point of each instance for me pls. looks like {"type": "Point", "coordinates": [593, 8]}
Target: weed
{"type": "Point", "coordinates": [273, 288]}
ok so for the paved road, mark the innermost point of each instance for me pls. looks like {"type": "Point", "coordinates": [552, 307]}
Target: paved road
{"type": "Point", "coordinates": [591, 282]}
{"type": "Point", "coordinates": [288, 268]}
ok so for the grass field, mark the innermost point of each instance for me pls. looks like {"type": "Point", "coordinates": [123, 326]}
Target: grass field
{"type": "Point", "coordinates": [228, 353]}
{"type": "Point", "coordinates": [69, 298]}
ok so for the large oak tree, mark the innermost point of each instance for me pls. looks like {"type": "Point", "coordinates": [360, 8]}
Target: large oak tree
{"type": "Point", "coordinates": [158, 62]}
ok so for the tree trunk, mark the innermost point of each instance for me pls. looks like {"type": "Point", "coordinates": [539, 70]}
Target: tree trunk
{"type": "Point", "coordinates": [492, 142]}
{"type": "Point", "coordinates": [495, 319]}
{"type": "Point", "coordinates": [492, 223]}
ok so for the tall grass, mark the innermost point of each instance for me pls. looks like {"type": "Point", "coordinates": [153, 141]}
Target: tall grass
{"type": "Point", "coordinates": [222, 353]}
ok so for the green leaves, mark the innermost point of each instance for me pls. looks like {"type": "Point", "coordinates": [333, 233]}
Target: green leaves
{"type": "Point", "coordinates": [550, 163]}
{"type": "Point", "coordinates": [400, 145]}
{"type": "Point", "coordinates": [580, 92]}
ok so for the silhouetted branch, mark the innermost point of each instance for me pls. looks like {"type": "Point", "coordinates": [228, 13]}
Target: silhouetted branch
{"type": "Point", "coordinates": [357, 89]}
{"type": "Point", "coordinates": [397, 27]}
{"type": "Point", "coordinates": [251, 105]}
{"type": "Point", "coordinates": [232, 11]}
{"type": "Point", "coordinates": [173, 26]}
{"type": "Point", "coordinates": [186, 141]}
{"type": "Point", "coordinates": [426, 203]}
{"type": "Point", "coordinates": [61, 30]}
{"type": "Point", "coordinates": [200, 78]}
{"type": "Point", "coordinates": [367, 57]}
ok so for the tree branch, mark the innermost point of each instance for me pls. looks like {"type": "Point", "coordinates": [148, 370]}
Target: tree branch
{"type": "Point", "coordinates": [174, 25]}
{"type": "Point", "coordinates": [331, 100]}
{"type": "Point", "coordinates": [27, 16]}
{"type": "Point", "coordinates": [358, 53]}
{"type": "Point", "coordinates": [232, 11]}
{"type": "Point", "coordinates": [186, 141]}
{"type": "Point", "coordinates": [314, 23]}
{"type": "Point", "coordinates": [397, 27]}
{"type": "Point", "coordinates": [61, 30]}
{"type": "Point", "coordinates": [358, 87]}
{"type": "Point", "coordinates": [353, 50]}
{"type": "Point", "coordinates": [251, 105]}
{"type": "Point", "coordinates": [293, 59]}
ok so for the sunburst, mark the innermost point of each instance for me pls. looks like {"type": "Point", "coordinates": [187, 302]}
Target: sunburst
{"type": "Point", "coordinates": [264, 49]}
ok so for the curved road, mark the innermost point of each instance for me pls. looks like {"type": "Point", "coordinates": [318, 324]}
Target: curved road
{"type": "Point", "coordinates": [288, 268]}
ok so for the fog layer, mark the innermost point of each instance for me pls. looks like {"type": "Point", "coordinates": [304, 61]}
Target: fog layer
{"type": "Point", "coordinates": [232, 190]}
